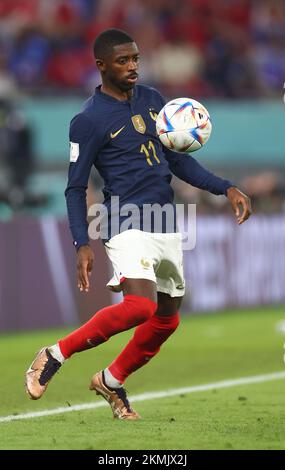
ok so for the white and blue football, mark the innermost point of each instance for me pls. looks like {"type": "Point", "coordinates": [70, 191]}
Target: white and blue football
{"type": "Point", "coordinates": [183, 125]}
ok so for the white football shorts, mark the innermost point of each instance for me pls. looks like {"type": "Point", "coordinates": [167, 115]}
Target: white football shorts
{"type": "Point", "coordinates": [158, 257]}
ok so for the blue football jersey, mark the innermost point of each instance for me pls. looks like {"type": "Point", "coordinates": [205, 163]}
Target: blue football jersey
{"type": "Point", "coordinates": [119, 138]}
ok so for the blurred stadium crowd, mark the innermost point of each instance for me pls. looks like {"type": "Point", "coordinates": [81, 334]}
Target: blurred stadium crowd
{"type": "Point", "coordinates": [221, 48]}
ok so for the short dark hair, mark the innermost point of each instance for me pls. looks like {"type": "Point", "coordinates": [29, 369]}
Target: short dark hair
{"type": "Point", "coordinates": [109, 38]}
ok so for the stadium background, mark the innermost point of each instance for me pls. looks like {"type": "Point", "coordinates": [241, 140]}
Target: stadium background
{"type": "Point", "coordinates": [228, 54]}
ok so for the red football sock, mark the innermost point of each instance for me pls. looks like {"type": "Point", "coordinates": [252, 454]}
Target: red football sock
{"type": "Point", "coordinates": [144, 345]}
{"type": "Point", "coordinates": [109, 321]}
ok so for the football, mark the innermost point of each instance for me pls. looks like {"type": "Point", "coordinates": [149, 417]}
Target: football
{"type": "Point", "coordinates": [183, 125]}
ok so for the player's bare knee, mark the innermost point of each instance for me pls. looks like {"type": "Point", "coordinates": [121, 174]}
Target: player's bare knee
{"type": "Point", "coordinates": [140, 287]}
{"type": "Point", "coordinates": [168, 306]}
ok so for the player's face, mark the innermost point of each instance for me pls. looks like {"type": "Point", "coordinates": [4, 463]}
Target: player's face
{"type": "Point", "coordinates": [121, 67]}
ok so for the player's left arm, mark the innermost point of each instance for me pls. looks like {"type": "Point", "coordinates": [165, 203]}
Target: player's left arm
{"type": "Point", "coordinates": [189, 170]}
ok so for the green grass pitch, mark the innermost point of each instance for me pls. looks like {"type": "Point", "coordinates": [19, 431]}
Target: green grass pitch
{"type": "Point", "coordinates": [205, 349]}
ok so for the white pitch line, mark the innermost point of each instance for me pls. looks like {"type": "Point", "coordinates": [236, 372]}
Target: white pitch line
{"type": "Point", "coordinates": [152, 396]}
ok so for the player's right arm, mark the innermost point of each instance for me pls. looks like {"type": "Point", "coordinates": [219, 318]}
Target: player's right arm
{"type": "Point", "coordinates": [83, 151]}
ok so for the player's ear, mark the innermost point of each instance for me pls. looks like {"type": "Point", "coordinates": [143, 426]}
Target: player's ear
{"type": "Point", "coordinates": [100, 64]}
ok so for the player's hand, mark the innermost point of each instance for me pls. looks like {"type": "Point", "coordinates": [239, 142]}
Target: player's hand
{"type": "Point", "coordinates": [240, 203]}
{"type": "Point", "coordinates": [85, 258]}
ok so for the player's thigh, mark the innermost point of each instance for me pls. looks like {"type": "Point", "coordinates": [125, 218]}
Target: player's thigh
{"type": "Point", "coordinates": [167, 305]}
{"type": "Point", "coordinates": [140, 287]}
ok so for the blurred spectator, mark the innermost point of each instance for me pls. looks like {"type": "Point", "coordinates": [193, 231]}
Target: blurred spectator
{"type": "Point", "coordinates": [16, 157]}
{"type": "Point", "coordinates": [15, 153]}
{"type": "Point", "coordinates": [8, 86]}
{"type": "Point", "coordinates": [267, 191]}
{"type": "Point", "coordinates": [268, 56]}
{"type": "Point", "coordinates": [187, 61]}
{"type": "Point", "coordinates": [226, 48]}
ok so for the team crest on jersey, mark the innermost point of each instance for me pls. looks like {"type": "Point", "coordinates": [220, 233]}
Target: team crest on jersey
{"type": "Point", "coordinates": [139, 123]}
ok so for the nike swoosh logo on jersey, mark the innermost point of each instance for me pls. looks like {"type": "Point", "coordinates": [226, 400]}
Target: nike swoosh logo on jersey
{"type": "Point", "coordinates": [113, 135]}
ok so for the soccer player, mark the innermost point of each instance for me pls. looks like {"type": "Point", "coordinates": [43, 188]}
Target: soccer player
{"type": "Point", "coordinates": [115, 131]}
